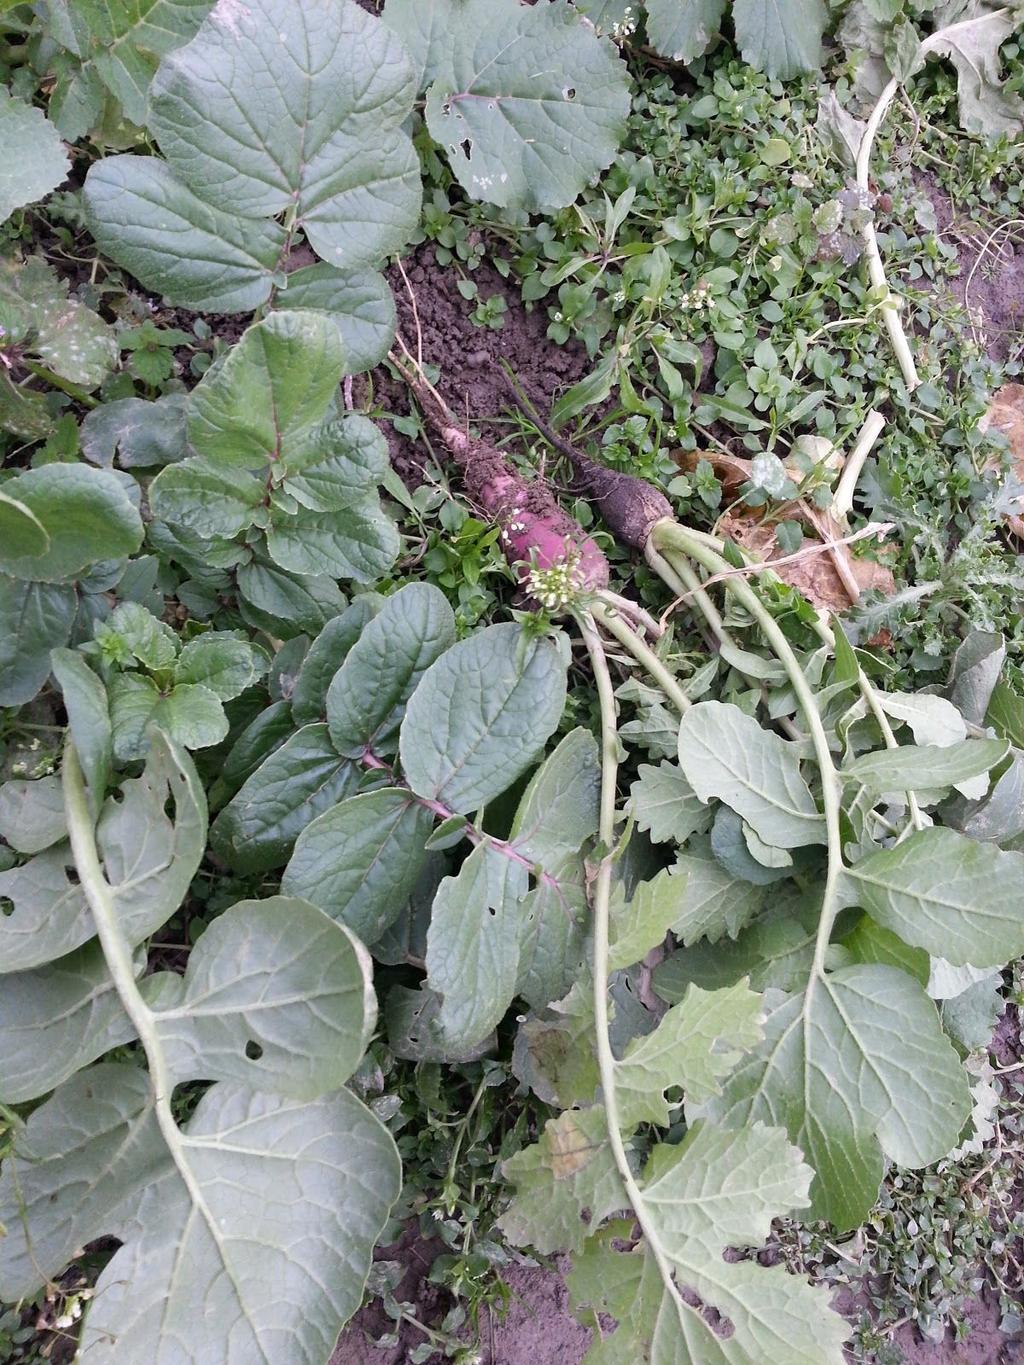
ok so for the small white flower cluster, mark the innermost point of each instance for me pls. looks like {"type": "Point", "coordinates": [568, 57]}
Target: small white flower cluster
{"type": "Point", "coordinates": [513, 526]}
{"type": "Point", "coordinates": [72, 1311]}
{"type": "Point", "coordinates": [42, 768]}
{"type": "Point", "coordinates": [698, 299]}
{"type": "Point", "coordinates": [625, 26]}
{"type": "Point", "coordinates": [557, 587]}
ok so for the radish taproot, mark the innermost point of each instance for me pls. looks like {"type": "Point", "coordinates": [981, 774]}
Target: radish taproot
{"type": "Point", "coordinates": [551, 553]}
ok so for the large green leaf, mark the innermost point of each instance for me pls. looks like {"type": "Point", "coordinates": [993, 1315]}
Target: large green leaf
{"type": "Point", "coordinates": [481, 715]}
{"type": "Point", "coordinates": [559, 809]}
{"type": "Point", "coordinates": [695, 1046]}
{"type": "Point", "coordinates": [715, 1190]}
{"type": "Point", "coordinates": [425, 27]}
{"type": "Point", "coordinates": [953, 896]}
{"type": "Point", "coordinates": [123, 40]}
{"type": "Point", "coordinates": [716, 903]}
{"type": "Point", "coordinates": [67, 337]}
{"type": "Point", "coordinates": [197, 497]}
{"type": "Point", "coordinates": [326, 655]}
{"type": "Point", "coordinates": [268, 393]}
{"type": "Point", "coordinates": [86, 513]}
{"type": "Point", "coordinates": [554, 920]}
{"type": "Point", "coordinates": [357, 542]}
{"type": "Point", "coordinates": [220, 662]}
{"type": "Point", "coordinates": [556, 817]}
{"type": "Point", "coordinates": [54, 1020]}
{"type": "Point", "coordinates": [34, 160]}
{"type": "Point", "coordinates": [565, 1184]}
{"type": "Point", "coordinates": [922, 766]}
{"type": "Point", "coordinates": [35, 618]}
{"type": "Point", "coordinates": [725, 753]}
{"type": "Point", "coordinates": [32, 813]}
{"type": "Point", "coordinates": [856, 1067]}
{"type": "Point", "coordinates": [368, 695]}
{"type": "Point", "coordinates": [270, 456]}
{"type": "Point", "coordinates": [47, 915]}
{"type": "Point", "coordinates": [640, 923]}
{"type": "Point", "coordinates": [261, 737]}
{"type": "Point", "coordinates": [781, 37]}
{"type": "Point", "coordinates": [274, 996]}
{"type": "Point", "coordinates": [359, 302]}
{"type": "Point", "coordinates": [533, 105]}
{"type": "Point", "coordinates": [282, 1193]}
{"type": "Point", "coordinates": [22, 534]}
{"type": "Point", "coordinates": [360, 860]}
{"type": "Point", "coordinates": [665, 805]}
{"type": "Point", "coordinates": [971, 36]}
{"type": "Point", "coordinates": [775, 951]}
{"type": "Point", "coordinates": [278, 1179]}
{"type": "Point", "coordinates": [306, 776]}
{"type": "Point", "coordinates": [683, 29]}
{"type": "Point", "coordinates": [150, 860]}
{"type": "Point", "coordinates": [135, 433]}
{"type": "Point", "coordinates": [193, 252]}
{"type": "Point", "coordinates": [318, 136]}
{"type": "Point", "coordinates": [473, 945]}
{"type": "Point", "coordinates": [191, 715]}
{"type": "Point", "coordinates": [283, 603]}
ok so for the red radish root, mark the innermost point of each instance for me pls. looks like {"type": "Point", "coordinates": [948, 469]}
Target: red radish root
{"type": "Point", "coordinates": [537, 536]}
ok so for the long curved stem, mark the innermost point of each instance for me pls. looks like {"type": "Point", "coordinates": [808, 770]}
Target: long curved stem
{"type": "Point", "coordinates": [683, 581]}
{"type": "Point", "coordinates": [602, 907]}
{"type": "Point", "coordinates": [864, 684]}
{"type": "Point", "coordinates": [669, 538]}
{"type": "Point", "coordinates": [643, 654]}
{"type": "Point", "coordinates": [118, 954]}
{"type": "Point", "coordinates": [873, 256]}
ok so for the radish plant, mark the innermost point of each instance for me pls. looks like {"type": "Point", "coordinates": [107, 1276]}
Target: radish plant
{"type": "Point", "coordinates": [725, 982]}
{"type": "Point", "coordinates": [269, 1197]}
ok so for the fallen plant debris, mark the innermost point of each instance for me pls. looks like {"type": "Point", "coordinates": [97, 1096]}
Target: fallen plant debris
{"type": "Point", "coordinates": [1006, 416]}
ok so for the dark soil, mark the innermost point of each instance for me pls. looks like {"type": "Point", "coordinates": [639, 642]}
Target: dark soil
{"type": "Point", "coordinates": [538, 1328]}
{"type": "Point", "coordinates": [470, 357]}
{"type": "Point", "coordinates": [990, 285]}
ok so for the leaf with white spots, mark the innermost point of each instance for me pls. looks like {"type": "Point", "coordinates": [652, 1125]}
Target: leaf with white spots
{"type": "Point", "coordinates": [533, 105]}
{"type": "Point", "coordinates": [34, 161]}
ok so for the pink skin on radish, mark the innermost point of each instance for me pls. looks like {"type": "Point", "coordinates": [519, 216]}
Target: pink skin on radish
{"type": "Point", "coordinates": [536, 533]}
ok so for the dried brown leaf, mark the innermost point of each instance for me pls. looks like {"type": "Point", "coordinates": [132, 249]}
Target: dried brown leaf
{"type": "Point", "coordinates": [1006, 415]}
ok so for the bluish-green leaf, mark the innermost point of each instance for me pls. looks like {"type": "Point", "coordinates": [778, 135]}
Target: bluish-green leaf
{"type": "Point", "coordinates": [359, 861]}
{"type": "Point", "coordinates": [86, 513]}
{"type": "Point", "coordinates": [473, 945]}
{"type": "Point", "coordinates": [953, 896]}
{"type": "Point", "coordinates": [257, 829]}
{"type": "Point", "coordinates": [533, 106]}
{"type": "Point", "coordinates": [480, 715]}
{"type": "Point", "coordinates": [359, 303]}
{"type": "Point", "coordinates": [367, 698]}
{"type": "Point", "coordinates": [725, 753]}
{"type": "Point", "coordinates": [34, 160]}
